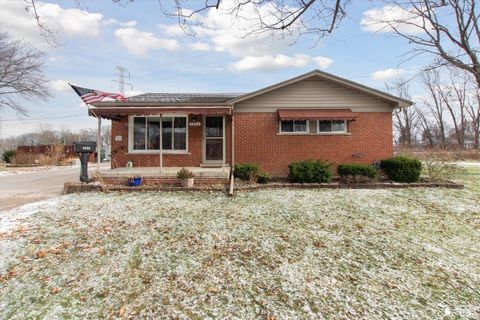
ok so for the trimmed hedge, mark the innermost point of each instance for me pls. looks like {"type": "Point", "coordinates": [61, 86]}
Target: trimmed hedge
{"type": "Point", "coordinates": [263, 177]}
{"type": "Point", "coordinates": [402, 169]}
{"type": "Point", "coordinates": [310, 171]}
{"type": "Point", "coordinates": [356, 172]}
{"type": "Point", "coordinates": [246, 171]}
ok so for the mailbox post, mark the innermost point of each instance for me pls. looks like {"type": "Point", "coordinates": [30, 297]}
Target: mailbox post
{"type": "Point", "coordinates": [83, 150]}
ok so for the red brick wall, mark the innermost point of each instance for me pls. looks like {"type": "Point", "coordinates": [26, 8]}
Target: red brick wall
{"type": "Point", "coordinates": [257, 140]}
{"type": "Point", "coordinates": [120, 154]}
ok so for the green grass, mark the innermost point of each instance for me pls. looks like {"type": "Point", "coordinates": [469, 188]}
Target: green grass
{"type": "Point", "coordinates": [376, 254]}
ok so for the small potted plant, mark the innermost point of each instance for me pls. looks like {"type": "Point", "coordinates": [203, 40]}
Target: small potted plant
{"type": "Point", "coordinates": [186, 177]}
{"type": "Point", "coordinates": [135, 181]}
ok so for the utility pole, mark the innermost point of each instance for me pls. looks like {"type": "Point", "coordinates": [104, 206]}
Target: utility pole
{"type": "Point", "coordinates": [122, 74]}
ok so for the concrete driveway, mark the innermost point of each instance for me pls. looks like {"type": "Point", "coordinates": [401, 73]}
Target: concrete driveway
{"type": "Point", "coordinates": [22, 188]}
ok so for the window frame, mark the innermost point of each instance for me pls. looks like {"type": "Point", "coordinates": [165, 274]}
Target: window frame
{"type": "Point", "coordinates": [307, 127]}
{"type": "Point", "coordinates": [345, 131]}
{"type": "Point", "coordinates": [156, 151]}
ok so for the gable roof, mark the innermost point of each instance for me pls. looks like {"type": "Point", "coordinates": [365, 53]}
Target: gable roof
{"type": "Point", "coordinates": [400, 102]}
{"type": "Point", "coordinates": [233, 98]}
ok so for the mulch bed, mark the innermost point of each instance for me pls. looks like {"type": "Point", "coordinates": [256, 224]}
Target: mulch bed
{"type": "Point", "coordinates": [341, 185]}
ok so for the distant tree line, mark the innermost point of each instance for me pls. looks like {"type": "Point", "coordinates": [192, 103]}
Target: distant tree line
{"type": "Point", "coordinates": [46, 136]}
{"type": "Point", "coordinates": [446, 115]}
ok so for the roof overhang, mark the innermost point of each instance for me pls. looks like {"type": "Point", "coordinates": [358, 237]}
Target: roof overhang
{"type": "Point", "coordinates": [117, 112]}
{"type": "Point", "coordinates": [396, 102]}
{"type": "Point", "coordinates": [316, 114]}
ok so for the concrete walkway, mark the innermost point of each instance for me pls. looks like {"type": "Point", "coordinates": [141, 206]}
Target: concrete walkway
{"type": "Point", "coordinates": [22, 188]}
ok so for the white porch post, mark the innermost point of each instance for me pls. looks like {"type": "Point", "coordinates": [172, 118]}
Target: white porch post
{"type": "Point", "coordinates": [232, 164]}
{"type": "Point", "coordinates": [224, 147]}
{"type": "Point", "coordinates": [99, 142]}
{"type": "Point", "coordinates": [233, 142]}
{"type": "Point", "coordinates": [161, 144]}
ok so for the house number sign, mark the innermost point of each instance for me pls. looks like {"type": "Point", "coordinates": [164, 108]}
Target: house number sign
{"type": "Point", "coordinates": [195, 124]}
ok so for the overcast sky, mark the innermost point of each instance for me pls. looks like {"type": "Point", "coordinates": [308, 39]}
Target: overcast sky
{"type": "Point", "coordinates": [100, 35]}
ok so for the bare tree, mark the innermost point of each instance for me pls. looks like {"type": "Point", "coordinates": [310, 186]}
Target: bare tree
{"type": "Point", "coordinates": [447, 29]}
{"type": "Point", "coordinates": [319, 17]}
{"type": "Point", "coordinates": [405, 119]}
{"type": "Point", "coordinates": [106, 136]}
{"type": "Point", "coordinates": [47, 136]}
{"type": "Point", "coordinates": [473, 111]}
{"type": "Point", "coordinates": [21, 74]}
{"type": "Point", "coordinates": [425, 125]}
{"type": "Point", "coordinates": [454, 95]}
{"type": "Point", "coordinates": [435, 104]}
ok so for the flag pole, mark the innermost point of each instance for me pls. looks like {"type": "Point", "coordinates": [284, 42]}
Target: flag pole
{"type": "Point", "coordinates": [82, 93]}
{"type": "Point", "coordinates": [99, 120]}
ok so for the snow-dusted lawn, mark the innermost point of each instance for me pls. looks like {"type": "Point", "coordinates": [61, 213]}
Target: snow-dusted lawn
{"type": "Point", "coordinates": [9, 171]}
{"type": "Point", "coordinates": [274, 254]}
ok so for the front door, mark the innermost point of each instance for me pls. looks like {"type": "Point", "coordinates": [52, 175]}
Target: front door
{"type": "Point", "coordinates": [214, 133]}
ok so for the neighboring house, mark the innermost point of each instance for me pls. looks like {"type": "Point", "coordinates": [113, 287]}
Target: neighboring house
{"type": "Point", "coordinates": [313, 116]}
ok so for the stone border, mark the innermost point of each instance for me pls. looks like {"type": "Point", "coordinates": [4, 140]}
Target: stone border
{"type": "Point", "coordinates": [72, 187]}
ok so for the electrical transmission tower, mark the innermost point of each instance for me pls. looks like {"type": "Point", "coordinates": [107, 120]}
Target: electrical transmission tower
{"type": "Point", "coordinates": [123, 74]}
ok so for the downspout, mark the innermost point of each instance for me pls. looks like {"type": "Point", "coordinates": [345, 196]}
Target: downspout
{"type": "Point", "coordinates": [232, 180]}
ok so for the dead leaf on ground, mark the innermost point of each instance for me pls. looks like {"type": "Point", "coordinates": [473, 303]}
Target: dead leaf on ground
{"type": "Point", "coordinates": [121, 312]}
{"type": "Point", "coordinates": [55, 290]}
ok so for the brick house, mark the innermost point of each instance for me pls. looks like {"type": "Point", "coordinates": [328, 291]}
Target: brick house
{"type": "Point", "coordinates": [315, 115]}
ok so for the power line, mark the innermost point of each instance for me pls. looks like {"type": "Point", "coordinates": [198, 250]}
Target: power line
{"type": "Point", "coordinates": [45, 118]}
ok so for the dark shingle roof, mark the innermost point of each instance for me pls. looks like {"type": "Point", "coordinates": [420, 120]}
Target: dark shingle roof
{"type": "Point", "coordinates": [184, 97]}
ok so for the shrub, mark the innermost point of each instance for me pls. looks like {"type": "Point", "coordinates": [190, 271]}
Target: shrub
{"type": "Point", "coordinates": [25, 158]}
{"type": "Point", "coordinates": [56, 153]}
{"type": "Point", "coordinates": [438, 169]}
{"type": "Point", "coordinates": [246, 171]}
{"type": "Point", "coordinates": [356, 172]}
{"type": "Point", "coordinates": [263, 177]}
{"type": "Point", "coordinates": [402, 168]}
{"type": "Point", "coordinates": [8, 155]}
{"type": "Point", "coordinates": [310, 171]}
{"type": "Point", "coordinates": [185, 174]}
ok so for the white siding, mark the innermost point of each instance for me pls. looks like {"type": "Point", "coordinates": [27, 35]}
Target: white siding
{"type": "Point", "coordinates": [314, 93]}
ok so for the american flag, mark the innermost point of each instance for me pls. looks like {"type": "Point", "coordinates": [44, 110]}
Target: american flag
{"type": "Point", "coordinates": [90, 96]}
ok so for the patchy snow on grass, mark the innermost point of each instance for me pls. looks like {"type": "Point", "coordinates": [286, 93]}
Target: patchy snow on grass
{"type": "Point", "coordinates": [277, 254]}
{"type": "Point", "coordinates": [25, 170]}
{"type": "Point", "coordinates": [11, 218]}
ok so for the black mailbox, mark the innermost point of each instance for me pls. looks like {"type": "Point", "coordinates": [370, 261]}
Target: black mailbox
{"type": "Point", "coordinates": [86, 146]}
{"type": "Point", "coordinates": [83, 149]}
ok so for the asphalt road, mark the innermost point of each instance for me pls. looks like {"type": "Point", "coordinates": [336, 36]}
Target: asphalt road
{"type": "Point", "coordinates": [23, 188]}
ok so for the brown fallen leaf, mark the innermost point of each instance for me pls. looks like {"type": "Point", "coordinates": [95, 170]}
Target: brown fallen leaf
{"type": "Point", "coordinates": [319, 244]}
{"type": "Point", "coordinates": [40, 254]}
{"type": "Point", "coordinates": [121, 312]}
{"type": "Point", "coordinates": [55, 290]}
